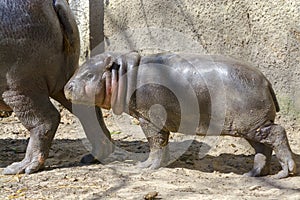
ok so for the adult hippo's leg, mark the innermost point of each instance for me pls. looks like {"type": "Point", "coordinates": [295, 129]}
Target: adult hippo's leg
{"type": "Point", "coordinates": [262, 159]}
{"type": "Point", "coordinates": [94, 127]}
{"type": "Point", "coordinates": [274, 136]}
{"type": "Point", "coordinates": [158, 142]}
{"type": "Point", "coordinates": [37, 113]}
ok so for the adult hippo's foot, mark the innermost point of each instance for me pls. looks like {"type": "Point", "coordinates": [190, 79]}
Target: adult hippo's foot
{"type": "Point", "coordinates": [36, 153]}
{"type": "Point", "coordinates": [40, 117]}
{"type": "Point", "coordinates": [27, 165]}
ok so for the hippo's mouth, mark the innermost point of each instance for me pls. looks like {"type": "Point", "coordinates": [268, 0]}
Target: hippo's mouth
{"type": "Point", "coordinates": [87, 102]}
{"type": "Point", "coordinates": [78, 99]}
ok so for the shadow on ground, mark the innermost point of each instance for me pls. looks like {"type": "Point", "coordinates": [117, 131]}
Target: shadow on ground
{"type": "Point", "coordinates": [63, 153]}
{"type": "Point", "coordinates": [67, 153]}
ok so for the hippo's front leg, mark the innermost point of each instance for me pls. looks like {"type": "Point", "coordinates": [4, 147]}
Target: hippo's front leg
{"type": "Point", "coordinates": [96, 131]}
{"type": "Point", "coordinates": [159, 148]}
{"type": "Point", "coordinates": [91, 119]}
{"type": "Point", "coordinates": [40, 117]}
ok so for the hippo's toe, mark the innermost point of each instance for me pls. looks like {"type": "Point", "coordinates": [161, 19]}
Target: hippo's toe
{"type": "Point", "coordinates": [287, 168]}
{"type": "Point", "coordinates": [252, 173]}
{"type": "Point", "coordinates": [157, 158]}
{"type": "Point", "coordinates": [149, 163]}
{"type": "Point", "coordinates": [26, 165]}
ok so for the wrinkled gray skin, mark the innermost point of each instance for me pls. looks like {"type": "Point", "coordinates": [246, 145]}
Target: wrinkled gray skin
{"type": "Point", "coordinates": [39, 51]}
{"type": "Point", "coordinates": [132, 84]}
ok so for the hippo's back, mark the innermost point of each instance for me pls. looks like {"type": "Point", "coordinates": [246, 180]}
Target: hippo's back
{"type": "Point", "coordinates": [39, 41]}
{"type": "Point", "coordinates": [27, 28]}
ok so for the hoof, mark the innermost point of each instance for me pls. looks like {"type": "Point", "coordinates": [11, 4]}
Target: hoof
{"type": "Point", "coordinates": [281, 174]}
{"type": "Point", "coordinates": [286, 171]}
{"type": "Point", "coordinates": [150, 164]}
{"type": "Point", "coordinates": [25, 166]}
{"type": "Point", "coordinates": [144, 164]}
{"type": "Point", "coordinates": [288, 168]}
{"type": "Point", "coordinates": [252, 173]}
{"type": "Point", "coordinates": [257, 172]}
{"type": "Point", "coordinates": [89, 159]}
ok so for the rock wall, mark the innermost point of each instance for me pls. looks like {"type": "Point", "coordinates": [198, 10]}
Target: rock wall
{"type": "Point", "coordinates": [265, 33]}
{"type": "Point", "coordinates": [81, 11]}
{"type": "Point", "coordinates": [89, 16]}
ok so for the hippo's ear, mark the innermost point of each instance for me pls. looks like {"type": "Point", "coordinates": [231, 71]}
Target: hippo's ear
{"type": "Point", "coordinates": [110, 64]}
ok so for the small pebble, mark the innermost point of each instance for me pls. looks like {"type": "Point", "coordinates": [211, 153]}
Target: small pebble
{"type": "Point", "coordinates": [255, 187]}
{"type": "Point", "coordinates": [189, 161]}
{"type": "Point", "coordinates": [73, 179]}
{"type": "Point", "coordinates": [135, 121]}
{"type": "Point", "coordinates": [151, 195]}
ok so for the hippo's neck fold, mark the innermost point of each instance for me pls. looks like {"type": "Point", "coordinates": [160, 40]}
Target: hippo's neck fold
{"type": "Point", "coordinates": [121, 82]}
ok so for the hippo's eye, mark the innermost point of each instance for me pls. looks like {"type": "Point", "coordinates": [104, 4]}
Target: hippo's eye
{"type": "Point", "coordinates": [90, 75]}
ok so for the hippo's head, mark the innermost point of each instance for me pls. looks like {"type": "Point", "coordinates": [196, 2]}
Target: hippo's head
{"type": "Point", "coordinates": [87, 85]}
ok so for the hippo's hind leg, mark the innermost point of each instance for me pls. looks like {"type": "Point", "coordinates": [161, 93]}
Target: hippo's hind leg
{"type": "Point", "coordinates": [39, 116]}
{"type": "Point", "coordinates": [158, 141]}
{"type": "Point", "coordinates": [275, 137]}
{"type": "Point", "coordinates": [262, 159]}
{"type": "Point", "coordinates": [279, 141]}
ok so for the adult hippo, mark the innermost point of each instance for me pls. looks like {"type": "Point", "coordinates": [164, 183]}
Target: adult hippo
{"type": "Point", "coordinates": [39, 52]}
{"type": "Point", "coordinates": [133, 84]}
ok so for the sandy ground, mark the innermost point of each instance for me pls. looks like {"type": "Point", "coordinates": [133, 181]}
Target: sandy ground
{"type": "Point", "coordinates": [217, 175]}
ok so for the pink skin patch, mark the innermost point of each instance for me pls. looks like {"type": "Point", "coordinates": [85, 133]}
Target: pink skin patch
{"type": "Point", "coordinates": [114, 87]}
{"type": "Point", "coordinates": [119, 104]}
{"type": "Point", "coordinates": [106, 104]}
{"type": "Point", "coordinates": [115, 91]}
{"type": "Point", "coordinates": [90, 91]}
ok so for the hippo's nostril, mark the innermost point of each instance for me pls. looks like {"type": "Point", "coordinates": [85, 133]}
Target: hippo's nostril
{"type": "Point", "coordinates": [69, 89]}
{"type": "Point", "coordinates": [70, 86]}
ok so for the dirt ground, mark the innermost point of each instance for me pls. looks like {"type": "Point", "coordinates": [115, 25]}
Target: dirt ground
{"type": "Point", "coordinates": [218, 175]}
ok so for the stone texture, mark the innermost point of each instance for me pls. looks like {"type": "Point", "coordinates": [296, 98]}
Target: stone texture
{"type": "Point", "coordinates": [81, 11]}
{"type": "Point", "coordinates": [265, 33]}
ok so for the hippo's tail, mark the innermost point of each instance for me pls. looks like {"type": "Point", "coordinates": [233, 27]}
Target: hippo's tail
{"type": "Point", "coordinates": [274, 98]}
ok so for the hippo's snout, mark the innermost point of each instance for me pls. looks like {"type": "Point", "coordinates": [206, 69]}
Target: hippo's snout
{"type": "Point", "coordinates": [69, 89]}
{"type": "Point", "coordinates": [75, 92]}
